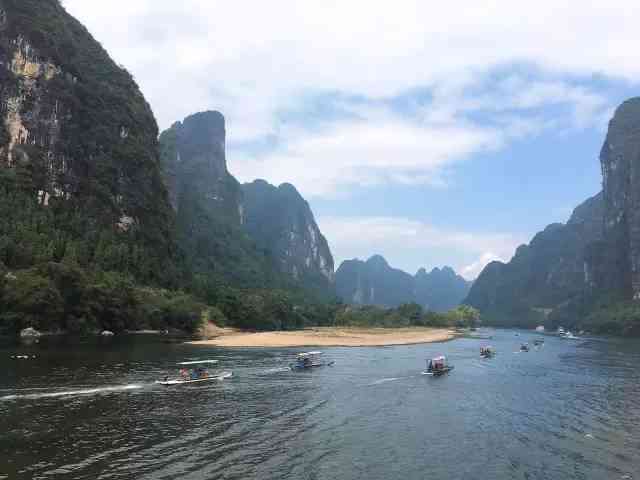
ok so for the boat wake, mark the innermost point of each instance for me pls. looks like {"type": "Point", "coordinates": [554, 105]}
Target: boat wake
{"type": "Point", "coordinates": [276, 370]}
{"type": "Point", "coordinates": [383, 380]}
{"type": "Point", "coordinates": [71, 393]}
{"type": "Point", "coordinates": [197, 362]}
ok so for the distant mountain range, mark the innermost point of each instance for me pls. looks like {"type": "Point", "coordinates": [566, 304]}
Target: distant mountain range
{"type": "Point", "coordinates": [374, 282]}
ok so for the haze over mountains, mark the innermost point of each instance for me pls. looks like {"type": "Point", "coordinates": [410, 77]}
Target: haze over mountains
{"type": "Point", "coordinates": [375, 282]}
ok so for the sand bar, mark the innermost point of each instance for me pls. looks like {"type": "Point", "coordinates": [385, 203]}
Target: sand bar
{"type": "Point", "coordinates": [328, 337]}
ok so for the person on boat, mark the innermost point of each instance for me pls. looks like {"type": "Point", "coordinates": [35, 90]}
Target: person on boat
{"type": "Point", "coordinates": [184, 374]}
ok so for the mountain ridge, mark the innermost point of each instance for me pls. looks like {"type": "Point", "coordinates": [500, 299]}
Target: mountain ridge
{"type": "Point", "coordinates": [253, 235]}
{"type": "Point", "coordinates": [375, 282]}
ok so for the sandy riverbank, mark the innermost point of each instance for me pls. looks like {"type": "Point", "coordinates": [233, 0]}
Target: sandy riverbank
{"type": "Point", "coordinates": [328, 337]}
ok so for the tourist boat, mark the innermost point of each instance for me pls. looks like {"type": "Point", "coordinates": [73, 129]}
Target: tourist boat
{"type": "Point", "coordinates": [560, 331]}
{"type": "Point", "coordinates": [209, 378]}
{"type": "Point", "coordinates": [437, 366]}
{"type": "Point", "coordinates": [487, 352]}
{"type": "Point", "coordinates": [524, 347]}
{"type": "Point", "coordinates": [198, 375]}
{"type": "Point", "coordinates": [569, 336]}
{"type": "Point", "coordinates": [307, 360]}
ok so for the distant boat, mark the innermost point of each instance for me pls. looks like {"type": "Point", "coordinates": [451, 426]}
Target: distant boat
{"type": "Point", "coordinates": [308, 360]}
{"type": "Point", "coordinates": [438, 366]}
{"type": "Point", "coordinates": [540, 328]}
{"type": "Point", "coordinates": [487, 352]}
{"type": "Point", "coordinates": [560, 331]}
{"type": "Point", "coordinates": [524, 347]}
{"type": "Point", "coordinates": [569, 336]}
{"type": "Point", "coordinates": [538, 341]}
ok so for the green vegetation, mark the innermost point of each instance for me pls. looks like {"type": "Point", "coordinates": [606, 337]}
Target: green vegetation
{"type": "Point", "coordinates": [407, 315]}
{"type": "Point", "coordinates": [106, 174]}
{"type": "Point", "coordinates": [61, 270]}
{"type": "Point", "coordinates": [617, 318]}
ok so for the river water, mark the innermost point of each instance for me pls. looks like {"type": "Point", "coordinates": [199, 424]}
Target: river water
{"type": "Point", "coordinates": [568, 410]}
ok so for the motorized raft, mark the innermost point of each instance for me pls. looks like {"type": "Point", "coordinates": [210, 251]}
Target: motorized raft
{"type": "Point", "coordinates": [487, 352]}
{"type": "Point", "coordinates": [198, 374]}
{"type": "Point", "coordinates": [308, 360]}
{"type": "Point", "coordinates": [437, 366]}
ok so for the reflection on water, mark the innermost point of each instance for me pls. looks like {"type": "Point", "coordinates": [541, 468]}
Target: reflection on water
{"type": "Point", "coordinates": [566, 410]}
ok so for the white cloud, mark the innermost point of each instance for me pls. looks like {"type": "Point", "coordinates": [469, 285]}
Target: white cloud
{"type": "Point", "coordinates": [367, 151]}
{"type": "Point", "coordinates": [257, 60]}
{"type": "Point", "coordinates": [401, 241]}
{"type": "Point", "coordinates": [472, 270]}
{"type": "Point", "coordinates": [251, 49]}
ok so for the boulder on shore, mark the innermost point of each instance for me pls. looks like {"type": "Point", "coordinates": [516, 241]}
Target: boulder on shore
{"type": "Point", "coordinates": [29, 332]}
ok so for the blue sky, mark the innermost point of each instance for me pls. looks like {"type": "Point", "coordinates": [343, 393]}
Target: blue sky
{"type": "Point", "coordinates": [431, 133]}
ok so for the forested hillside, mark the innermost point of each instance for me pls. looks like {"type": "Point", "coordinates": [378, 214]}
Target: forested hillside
{"type": "Point", "coordinates": [85, 217]}
{"type": "Point", "coordinates": [585, 274]}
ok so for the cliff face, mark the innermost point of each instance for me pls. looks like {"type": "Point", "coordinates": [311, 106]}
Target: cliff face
{"type": "Point", "coordinates": [550, 272]}
{"type": "Point", "coordinates": [254, 235]}
{"type": "Point", "coordinates": [374, 282]}
{"type": "Point", "coordinates": [208, 205]}
{"type": "Point", "coordinates": [579, 272]}
{"type": "Point", "coordinates": [194, 159]}
{"type": "Point", "coordinates": [281, 222]}
{"type": "Point", "coordinates": [619, 262]}
{"type": "Point", "coordinates": [75, 126]}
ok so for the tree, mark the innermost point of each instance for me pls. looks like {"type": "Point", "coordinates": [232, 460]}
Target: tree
{"type": "Point", "coordinates": [32, 301]}
{"type": "Point", "coordinates": [464, 316]}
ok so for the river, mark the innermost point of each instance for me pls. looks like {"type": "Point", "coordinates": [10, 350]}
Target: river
{"type": "Point", "coordinates": [568, 410]}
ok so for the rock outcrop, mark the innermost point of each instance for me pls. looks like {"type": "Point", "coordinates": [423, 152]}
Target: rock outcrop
{"type": "Point", "coordinates": [618, 264]}
{"type": "Point", "coordinates": [374, 282]}
{"type": "Point", "coordinates": [281, 222]}
{"type": "Point", "coordinates": [207, 201]}
{"type": "Point", "coordinates": [194, 159]}
{"type": "Point", "coordinates": [254, 235]}
{"type": "Point", "coordinates": [548, 273]}
{"type": "Point", "coordinates": [75, 126]}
